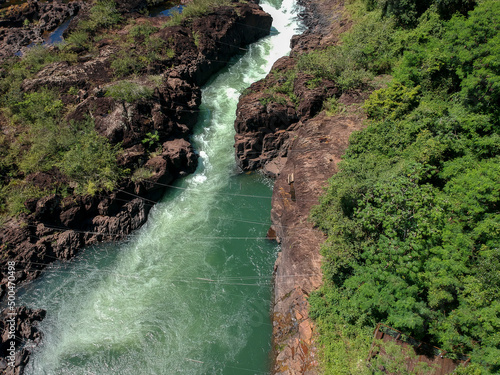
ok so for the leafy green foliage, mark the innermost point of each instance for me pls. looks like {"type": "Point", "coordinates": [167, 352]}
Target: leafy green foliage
{"type": "Point", "coordinates": [18, 192]}
{"type": "Point", "coordinates": [412, 217]}
{"type": "Point", "coordinates": [392, 102]}
{"type": "Point", "coordinates": [368, 49]}
{"type": "Point", "coordinates": [395, 358]}
{"type": "Point", "coordinates": [151, 139]}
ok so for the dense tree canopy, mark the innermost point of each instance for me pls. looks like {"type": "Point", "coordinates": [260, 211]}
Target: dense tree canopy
{"type": "Point", "coordinates": [413, 217]}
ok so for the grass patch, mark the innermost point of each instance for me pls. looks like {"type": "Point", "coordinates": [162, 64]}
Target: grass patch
{"type": "Point", "coordinates": [142, 174]}
{"type": "Point", "coordinates": [129, 91]}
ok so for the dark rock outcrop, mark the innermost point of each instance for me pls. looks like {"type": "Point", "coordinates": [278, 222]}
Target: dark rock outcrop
{"type": "Point", "coordinates": [263, 125]}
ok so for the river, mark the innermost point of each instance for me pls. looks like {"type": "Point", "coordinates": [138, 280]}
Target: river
{"type": "Point", "coordinates": [190, 292]}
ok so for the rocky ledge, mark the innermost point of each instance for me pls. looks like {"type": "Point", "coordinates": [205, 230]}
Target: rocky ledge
{"type": "Point", "coordinates": [153, 132]}
{"type": "Point", "coordinates": [283, 130]}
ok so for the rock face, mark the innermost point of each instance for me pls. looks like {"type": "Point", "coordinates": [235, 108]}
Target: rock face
{"type": "Point", "coordinates": [19, 336]}
{"type": "Point", "coordinates": [312, 158]}
{"type": "Point", "coordinates": [153, 131]}
{"type": "Point", "coordinates": [290, 138]}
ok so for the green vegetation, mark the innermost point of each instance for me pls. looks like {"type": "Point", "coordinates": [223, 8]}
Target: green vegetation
{"type": "Point", "coordinates": [370, 48]}
{"type": "Point", "coordinates": [332, 107]}
{"type": "Point", "coordinates": [407, 12]}
{"type": "Point", "coordinates": [412, 217]}
{"type": "Point", "coordinates": [367, 50]}
{"type": "Point", "coordinates": [91, 162]}
{"type": "Point", "coordinates": [129, 91]}
{"type": "Point", "coordinates": [196, 8]}
{"type": "Point", "coordinates": [141, 174]}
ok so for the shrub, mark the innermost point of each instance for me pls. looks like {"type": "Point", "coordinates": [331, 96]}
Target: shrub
{"type": "Point", "coordinates": [77, 39]}
{"type": "Point", "coordinates": [37, 57]}
{"type": "Point", "coordinates": [102, 14]}
{"type": "Point", "coordinates": [15, 194]}
{"type": "Point", "coordinates": [331, 106]}
{"type": "Point", "coordinates": [142, 30]}
{"type": "Point", "coordinates": [38, 106]}
{"type": "Point", "coordinates": [392, 102]}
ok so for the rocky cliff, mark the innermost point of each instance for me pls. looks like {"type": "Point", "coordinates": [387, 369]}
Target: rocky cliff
{"type": "Point", "coordinates": [283, 129]}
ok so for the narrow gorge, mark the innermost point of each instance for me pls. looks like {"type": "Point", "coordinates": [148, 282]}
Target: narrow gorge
{"type": "Point", "coordinates": [190, 291]}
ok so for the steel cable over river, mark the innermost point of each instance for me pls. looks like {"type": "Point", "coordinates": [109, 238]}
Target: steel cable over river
{"type": "Point", "coordinates": [126, 308]}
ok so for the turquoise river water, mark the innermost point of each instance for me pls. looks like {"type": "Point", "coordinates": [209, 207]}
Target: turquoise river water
{"type": "Point", "coordinates": [190, 292]}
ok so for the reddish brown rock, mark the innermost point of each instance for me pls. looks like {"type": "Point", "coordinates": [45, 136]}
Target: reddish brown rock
{"type": "Point", "coordinates": [181, 156]}
{"type": "Point", "coordinates": [264, 123]}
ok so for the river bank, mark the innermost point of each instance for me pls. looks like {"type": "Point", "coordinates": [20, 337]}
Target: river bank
{"type": "Point", "coordinates": [55, 226]}
{"type": "Point", "coordinates": [288, 134]}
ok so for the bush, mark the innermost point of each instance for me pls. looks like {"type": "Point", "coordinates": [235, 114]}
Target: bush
{"type": "Point", "coordinates": [392, 102]}
{"type": "Point", "coordinates": [331, 106]}
{"type": "Point", "coordinates": [142, 30]}
{"type": "Point", "coordinates": [126, 64]}
{"type": "Point", "coordinates": [102, 15]}
{"type": "Point", "coordinates": [77, 39]}
{"type": "Point", "coordinates": [37, 57]}
{"type": "Point", "coordinates": [91, 162]}
{"type": "Point", "coordinates": [15, 194]}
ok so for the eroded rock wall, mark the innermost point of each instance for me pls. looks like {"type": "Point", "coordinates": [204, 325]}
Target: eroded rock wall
{"type": "Point", "coordinates": [291, 138]}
